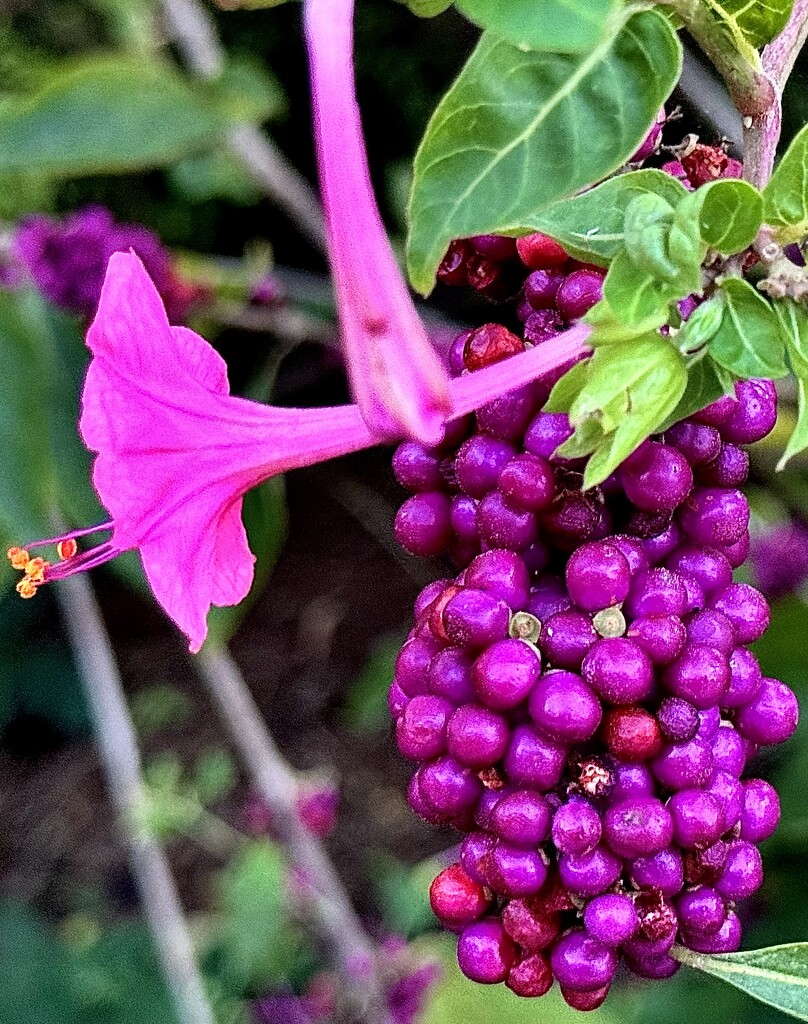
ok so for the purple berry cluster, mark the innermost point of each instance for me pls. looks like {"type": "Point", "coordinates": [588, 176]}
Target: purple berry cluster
{"type": "Point", "coordinates": [580, 700]}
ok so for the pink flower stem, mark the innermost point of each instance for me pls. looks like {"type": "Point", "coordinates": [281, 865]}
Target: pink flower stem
{"type": "Point", "coordinates": [762, 133]}
{"type": "Point", "coordinates": [330, 907]}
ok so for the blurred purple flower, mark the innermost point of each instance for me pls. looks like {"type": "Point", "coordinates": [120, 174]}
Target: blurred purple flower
{"type": "Point", "coordinates": [280, 1010]}
{"type": "Point", "coordinates": [67, 259]}
{"type": "Point", "coordinates": [407, 996]}
{"type": "Point", "coordinates": [779, 559]}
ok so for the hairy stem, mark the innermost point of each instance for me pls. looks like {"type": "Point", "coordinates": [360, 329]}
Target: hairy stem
{"type": "Point", "coordinates": [193, 32]}
{"type": "Point", "coordinates": [762, 133]}
{"type": "Point", "coordinates": [121, 759]}
{"type": "Point", "coordinates": [329, 906]}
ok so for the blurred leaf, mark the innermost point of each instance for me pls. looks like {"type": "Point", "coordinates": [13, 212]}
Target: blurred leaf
{"type": "Point", "coordinates": [248, 91]}
{"type": "Point", "coordinates": [118, 980]}
{"type": "Point", "coordinates": [32, 970]}
{"type": "Point", "coordinates": [104, 116]}
{"type": "Point", "coordinates": [523, 148]}
{"type": "Point", "coordinates": [265, 519]}
{"type": "Point", "coordinates": [590, 226]}
{"type": "Point", "coordinates": [562, 26]}
{"type": "Point", "coordinates": [365, 708]}
{"type": "Point", "coordinates": [785, 198]}
{"type": "Point", "coordinates": [215, 175]}
{"type": "Point", "coordinates": [403, 892]}
{"type": "Point", "coordinates": [749, 342]}
{"type": "Point", "coordinates": [42, 681]}
{"type": "Point", "coordinates": [157, 707]}
{"type": "Point", "coordinates": [777, 976]}
{"type": "Point", "coordinates": [214, 776]}
{"type": "Point", "coordinates": [258, 944]}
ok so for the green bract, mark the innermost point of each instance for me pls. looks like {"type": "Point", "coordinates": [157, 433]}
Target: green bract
{"type": "Point", "coordinates": [519, 130]}
{"type": "Point", "coordinates": [794, 326]}
{"type": "Point", "coordinates": [754, 23]}
{"type": "Point", "coordinates": [562, 26]}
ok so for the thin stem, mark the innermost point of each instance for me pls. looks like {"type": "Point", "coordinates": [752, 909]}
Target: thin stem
{"type": "Point", "coordinates": [330, 906]}
{"type": "Point", "coordinates": [750, 89]}
{"type": "Point", "coordinates": [119, 753]}
{"type": "Point", "coordinates": [194, 34]}
{"type": "Point", "coordinates": [762, 133]}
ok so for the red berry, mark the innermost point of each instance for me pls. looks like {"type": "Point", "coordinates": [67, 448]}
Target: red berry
{"type": "Point", "coordinates": [489, 344]}
{"type": "Point", "coordinates": [539, 252]}
{"type": "Point", "coordinates": [632, 734]}
{"type": "Point", "coordinates": [585, 1000]}
{"type": "Point", "coordinates": [456, 898]}
{"type": "Point", "coordinates": [452, 269]}
{"type": "Point", "coordinates": [531, 977]}
{"type": "Point", "coordinates": [704, 163]}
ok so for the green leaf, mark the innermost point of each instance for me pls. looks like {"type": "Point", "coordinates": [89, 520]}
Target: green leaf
{"type": "Point", "coordinates": [630, 389]}
{"type": "Point", "coordinates": [563, 26]}
{"type": "Point", "coordinates": [590, 226]}
{"type": "Point", "coordinates": [700, 327]}
{"type": "Point", "coordinates": [755, 23]}
{"type": "Point", "coordinates": [105, 116]}
{"type": "Point", "coordinates": [777, 976]}
{"type": "Point", "coordinates": [785, 197]}
{"type": "Point", "coordinates": [33, 970]}
{"type": "Point", "coordinates": [506, 140]}
{"type": "Point", "coordinates": [636, 296]}
{"type": "Point", "coordinates": [749, 342]}
{"type": "Point", "coordinates": [365, 708]}
{"type": "Point", "coordinates": [729, 213]}
{"type": "Point", "coordinates": [794, 326]}
{"type": "Point", "coordinates": [247, 90]}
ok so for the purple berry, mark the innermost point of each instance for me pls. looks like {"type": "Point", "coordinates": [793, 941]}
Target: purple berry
{"type": "Point", "coordinates": [423, 524]}
{"type": "Point", "coordinates": [417, 468]}
{"type": "Point", "coordinates": [505, 673]}
{"type": "Point", "coordinates": [541, 325]}
{"type": "Point", "coordinates": [533, 761]}
{"type": "Point", "coordinates": [761, 810]}
{"type": "Point", "coordinates": [701, 911]}
{"type": "Point", "coordinates": [541, 288]}
{"type": "Point", "coordinates": [747, 609]}
{"type": "Point", "coordinates": [514, 871]}
{"type": "Point", "coordinates": [637, 827]}
{"type": "Point", "coordinates": [479, 462]}
{"type": "Point", "coordinates": [421, 729]}
{"type": "Point", "coordinates": [754, 414]}
{"type": "Point", "coordinates": [598, 576]}
{"type": "Point", "coordinates": [611, 919]}
{"type": "Point", "coordinates": [588, 874]}
{"type": "Point", "coordinates": [473, 618]}
{"type": "Point", "coordinates": [450, 675]}
{"type": "Point", "coordinates": [619, 670]}
{"type": "Point", "coordinates": [697, 818]}
{"type": "Point", "coordinates": [579, 293]}
{"type": "Point", "coordinates": [448, 786]}
{"type": "Point", "coordinates": [699, 444]}
{"type": "Point", "coordinates": [631, 780]}
{"type": "Point", "coordinates": [522, 818]}
{"type": "Point", "coordinates": [581, 963]}
{"type": "Point", "coordinates": [729, 792]}
{"type": "Point", "coordinates": [501, 574]}
{"type": "Point", "coordinates": [476, 737]}
{"type": "Point", "coordinates": [745, 678]}
{"type": "Point", "coordinates": [729, 753]}
{"type": "Point", "coordinates": [711, 628]}
{"type": "Point", "coordinates": [726, 940]}
{"type": "Point", "coordinates": [656, 477]}
{"type": "Point", "coordinates": [710, 569]}
{"type": "Point", "coordinates": [564, 707]}
{"type": "Point", "coordinates": [678, 719]}
{"type": "Point", "coordinates": [714, 516]}
{"type": "Point", "coordinates": [729, 468]}
{"type": "Point", "coordinates": [485, 953]}
{"type": "Point", "coordinates": [662, 637]}
{"type": "Point", "coordinates": [546, 432]}
{"type": "Point", "coordinates": [771, 716]}
{"type": "Point", "coordinates": [656, 592]}
{"type": "Point", "coordinates": [681, 765]}
{"type": "Point", "coordinates": [699, 675]}
{"type": "Point", "coordinates": [528, 482]}
{"type": "Point", "coordinates": [743, 871]}
{"type": "Point", "coordinates": [663, 871]}
{"type": "Point", "coordinates": [502, 524]}
{"type": "Point", "coordinates": [566, 637]}
{"type": "Point", "coordinates": [576, 827]}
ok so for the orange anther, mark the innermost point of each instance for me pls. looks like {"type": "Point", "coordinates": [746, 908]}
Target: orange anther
{"type": "Point", "coordinates": [26, 588]}
{"type": "Point", "coordinates": [66, 548]}
{"type": "Point", "coordinates": [18, 557]}
{"type": "Point", "coordinates": [35, 569]}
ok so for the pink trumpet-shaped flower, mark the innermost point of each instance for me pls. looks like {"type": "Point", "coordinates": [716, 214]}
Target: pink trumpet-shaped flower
{"type": "Point", "coordinates": [397, 379]}
{"type": "Point", "coordinates": [175, 452]}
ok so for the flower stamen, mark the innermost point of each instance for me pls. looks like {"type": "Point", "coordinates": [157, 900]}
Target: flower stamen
{"type": "Point", "coordinates": [38, 570]}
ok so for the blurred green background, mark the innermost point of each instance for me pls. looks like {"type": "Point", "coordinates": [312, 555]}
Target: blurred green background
{"type": "Point", "coordinates": [95, 107]}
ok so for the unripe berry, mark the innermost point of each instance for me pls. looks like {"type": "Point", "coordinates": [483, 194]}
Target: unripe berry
{"type": "Point", "coordinates": [489, 344]}
{"type": "Point", "coordinates": [631, 734]}
{"type": "Point", "coordinates": [456, 898]}
{"type": "Point", "coordinates": [539, 252]}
